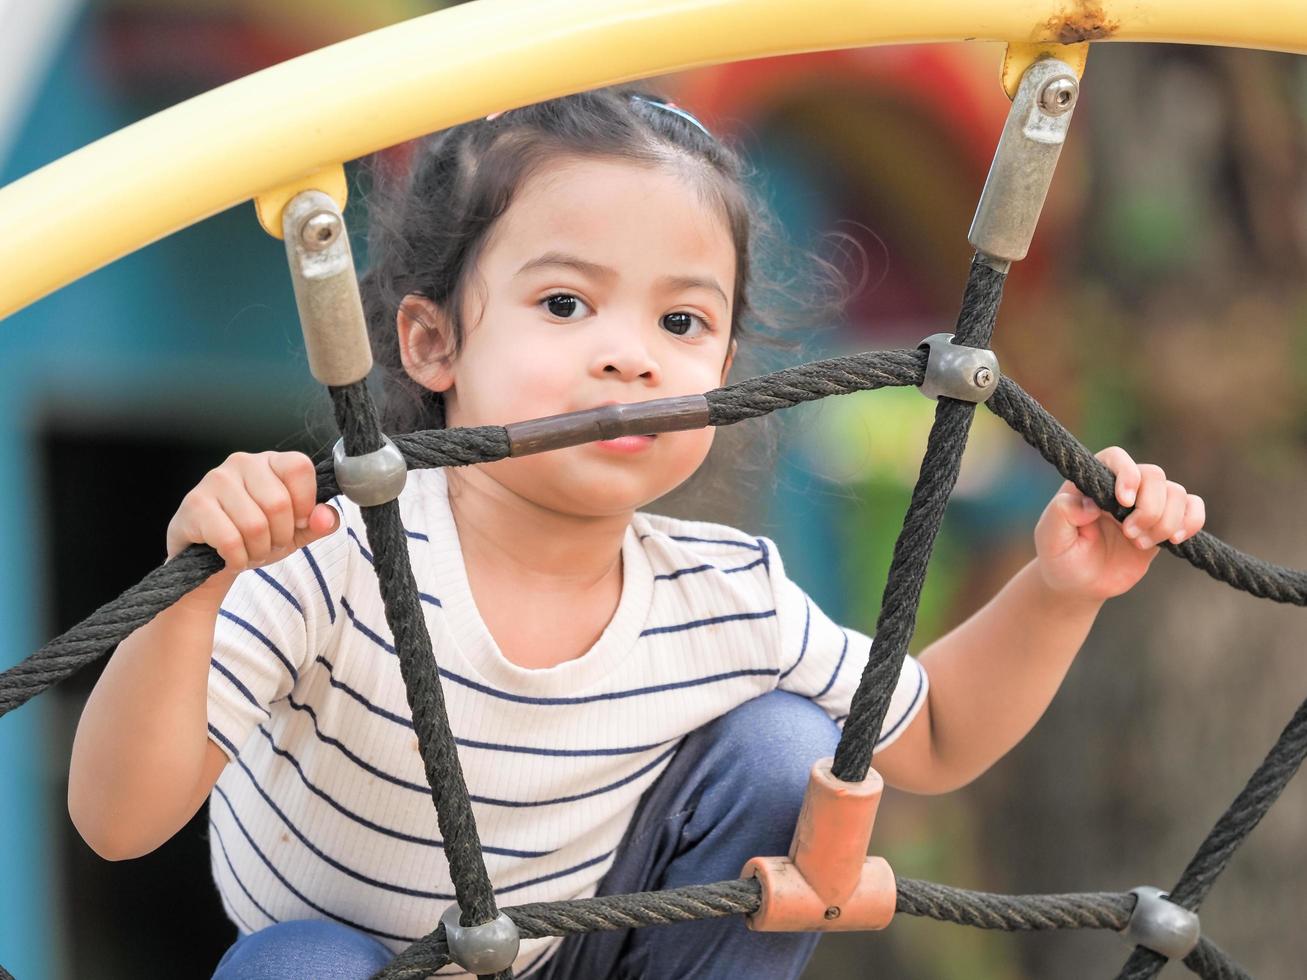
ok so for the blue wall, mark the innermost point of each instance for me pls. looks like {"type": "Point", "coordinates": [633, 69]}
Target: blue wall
{"type": "Point", "coordinates": [197, 331]}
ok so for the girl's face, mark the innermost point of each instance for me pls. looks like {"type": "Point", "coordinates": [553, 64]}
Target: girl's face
{"type": "Point", "coordinates": [605, 281]}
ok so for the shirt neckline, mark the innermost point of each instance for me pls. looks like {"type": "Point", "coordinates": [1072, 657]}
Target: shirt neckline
{"type": "Point", "coordinates": [473, 638]}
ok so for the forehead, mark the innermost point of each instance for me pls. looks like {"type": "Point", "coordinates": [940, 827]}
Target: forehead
{"type": "Point", "coordinates": [614, 211]}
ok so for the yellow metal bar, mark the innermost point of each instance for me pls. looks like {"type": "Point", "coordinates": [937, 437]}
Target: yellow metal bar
{"type": "Point", "coordinates": [278, 126]}
{"type": "Point", "coordinates": [1021, 55]}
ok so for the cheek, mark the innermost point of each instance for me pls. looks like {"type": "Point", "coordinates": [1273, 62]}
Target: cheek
{"type": "Point", "coordinates": [687, 450]}
{"type": "Point", "coordinates": [526, 382]}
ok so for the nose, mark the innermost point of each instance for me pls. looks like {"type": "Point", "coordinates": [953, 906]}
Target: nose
{"type": "Point", "coordinates": [624, 355]}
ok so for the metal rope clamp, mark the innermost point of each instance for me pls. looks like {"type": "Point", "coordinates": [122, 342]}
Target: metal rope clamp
{"type": "Point", "coordinates": [372, 479]}
{"type": "Point", "coordinates": [969, 374]}
{"type": "Point", "coordinates": [1161, 925]}
{"type": "Point", "coordinates": [828, 883]}
{"type": "Point", "coordinates": [488, 948]}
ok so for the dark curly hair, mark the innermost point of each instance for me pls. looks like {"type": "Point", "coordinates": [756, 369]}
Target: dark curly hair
{"type": "Point", "coordinates": [427, 226]}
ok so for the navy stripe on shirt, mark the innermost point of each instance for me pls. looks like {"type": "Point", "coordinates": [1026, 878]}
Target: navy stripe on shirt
{"type": "Point", "coordinates": [232, 868]}
{"type": "Point", "coordinates": [392, 886]}
{"type": "Point", "coordinates": [579, 796]}
{"type": "Point", "coordinates": [836, 673]}
{"type": "Point", "coordinates": [586, 699]}
{"type": "Point", "coordinates": [223, 739]}
{"type": "Point", "coordinates": [363, 821]}
{"type": "Point", "coordinates": [328, 859]}
{"type": "Point", "coordinates": [239, 686]}
{"type": "Point", "coordinates": [426, 790]}
{"type": "Point", "coordinates": [285, 593]}
{"type": "Point", "coordinates": [711, 621]}
{"type": "Point", "coordinates": [669, 576]}
{"type": "Point", "coordinates": [254, 632]}
{"type": "Point", "coordinates": [921, 682]}
{"type": "Point", "coordinates": [295, 891]}
{"type": "Point", "coordinates": [322, 582]}
{"type": "Point", "coordinates": [807, 622]}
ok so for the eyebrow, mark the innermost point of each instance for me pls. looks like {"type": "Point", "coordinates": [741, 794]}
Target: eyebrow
{"type": "Point", "coordinates": [603, 272]}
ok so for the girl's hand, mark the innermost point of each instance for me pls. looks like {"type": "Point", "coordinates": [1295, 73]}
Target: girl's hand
{"type": "Point", "coordinates": [253, 510]}
{"type": "Point", "coordinates": [1084, 552]}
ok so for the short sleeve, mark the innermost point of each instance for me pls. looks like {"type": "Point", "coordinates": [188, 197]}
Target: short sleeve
{"type": "Point", "coordinates": [272, 623]}
{"type": "Point", "coordinates": [825, 661]}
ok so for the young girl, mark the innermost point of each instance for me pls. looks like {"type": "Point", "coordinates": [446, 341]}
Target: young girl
{"type": "Point", "coordinates": [637, 700]}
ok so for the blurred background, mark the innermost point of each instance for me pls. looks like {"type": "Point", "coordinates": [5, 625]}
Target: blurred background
{"type": "Point", "coordinates": [1163, 308]}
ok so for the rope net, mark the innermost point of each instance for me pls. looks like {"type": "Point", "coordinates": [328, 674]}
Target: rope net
{"type": "Point", "coordinates": [357, 420]}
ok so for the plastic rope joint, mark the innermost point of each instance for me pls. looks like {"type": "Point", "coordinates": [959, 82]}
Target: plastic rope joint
{"type": "Point", "coordinates": [488, 948]}
{"type": "Point", "coordinates": [828, 883]}
{"type": "Point", "coordinates": [1161, 925]}
{"type": "Point", "coordinates": [371, 479]}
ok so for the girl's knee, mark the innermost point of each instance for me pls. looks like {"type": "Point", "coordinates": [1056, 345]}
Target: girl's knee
{"type": "Point", "coordinates": [782, 723]}
{"type": "Point", "coordinates": [771, 743]}
{"type": "Point", "coordinates": [318, 948]}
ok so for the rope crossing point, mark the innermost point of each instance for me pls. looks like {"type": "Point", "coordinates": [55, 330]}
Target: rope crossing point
{"type": "Point", "coordinates": [357, 420]}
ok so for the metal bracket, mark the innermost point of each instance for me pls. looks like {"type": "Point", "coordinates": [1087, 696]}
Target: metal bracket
{"type": "Point", "coordinates": [485, 949]}
{"type": "Point", "coordinates": [372, 479]}
{"type": "Point", "coordinates": [969, 374]}
{"type": "Point", "coordinates": [1161, 925]}
{"type": "Point", "coordinates": [326, 289]}
{"type": "Point", "coordinates": [1024, 162]}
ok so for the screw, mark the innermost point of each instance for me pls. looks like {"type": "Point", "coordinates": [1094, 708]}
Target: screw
{"type": "Point", "coordinates": [983, 378]}
{"type": "Point", "coordinates": [833, 912]}
{"type": "Point", "coordinates": [1058, 95]}
{"type": "Point", "coordinates": [319, 230]}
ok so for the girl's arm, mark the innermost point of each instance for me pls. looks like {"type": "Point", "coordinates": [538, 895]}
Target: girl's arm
{"type": "Point", "coordinates": [993, 676]}
{"type": "Point", "coordinates": [142, 761]}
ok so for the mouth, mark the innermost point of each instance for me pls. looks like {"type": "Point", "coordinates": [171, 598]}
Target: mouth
{"type": "Point", "coordinates": [623, 444]}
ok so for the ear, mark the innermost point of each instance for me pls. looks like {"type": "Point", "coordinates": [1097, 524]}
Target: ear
{"type": "Point", "coordinates": [425, 342]}
{"type": "Point", "coordinates": [730, 359]}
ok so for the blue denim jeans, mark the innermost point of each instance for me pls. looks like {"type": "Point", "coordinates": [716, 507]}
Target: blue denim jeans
{"type": "Point", "coordinates": [731, 792]}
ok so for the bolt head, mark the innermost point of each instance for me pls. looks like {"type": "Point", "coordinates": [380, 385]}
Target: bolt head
{"type": "Point", "coordinates": [833, 912]}
{"type": "Point", "coordinates": [319, 230]}
{"type": "Point", "coordinates": [983, 378]}
{"type": "Point", "coordinates": [1058, 95]}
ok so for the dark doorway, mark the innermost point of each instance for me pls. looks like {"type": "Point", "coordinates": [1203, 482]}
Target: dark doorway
{"type": "Point", "coordinates": [108, 493]}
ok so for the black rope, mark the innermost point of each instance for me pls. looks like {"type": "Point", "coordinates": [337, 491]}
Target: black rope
{"type": "Point", "coordinates": [907, 573]}
{"type": "Point", "coordinates": [112, 622]}
{"type": "Point", "coordinates": [603, 913]}
{"type": "Point", "coordinates": [1014, 913]}
{"type": "Point", "coordinates": [1070, 457]}
{"type": "Point", "coordinates": [1235, 824]}
{"type": "Point", "coordinates": [360, 429]}
{"type": "Point", "coordinates": [100, 632]}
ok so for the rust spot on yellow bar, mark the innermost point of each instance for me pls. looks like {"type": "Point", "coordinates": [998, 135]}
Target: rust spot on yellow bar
{"type": "Point", "coordinates": [1085, 21]}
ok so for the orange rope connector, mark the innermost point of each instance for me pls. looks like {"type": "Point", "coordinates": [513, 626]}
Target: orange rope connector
{"type": "Point", "coordinates": [828, 883]}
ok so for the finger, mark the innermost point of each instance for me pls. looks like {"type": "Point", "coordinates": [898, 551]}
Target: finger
{"type": "Point", "coordinates": [1195, 516]}
{"type": "Point", "coordinates": [244, 513]}
{"type": "Point", "coordinates": [1127, 473]}
{"type": "Point", "coordinates": [1169, 522]}
{"type": "Point", "coordinates": [272, 497]}
{"type": "Point", "coordinates": [216, 529]}
{"type": "Point", "coordinates": [323, 520]}
{"type": "Point", "coordinates": [296, 471]}
{"type": "Point", "coordinates": [1057, 530]}
{"type": "Point", "coordinates": [1149, 501]}
{"type": "Point", "coordinates": [1076, 509]}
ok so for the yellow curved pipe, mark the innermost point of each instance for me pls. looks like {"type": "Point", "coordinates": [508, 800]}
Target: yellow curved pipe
{"type": "Point", "coordinates": [277, 126]}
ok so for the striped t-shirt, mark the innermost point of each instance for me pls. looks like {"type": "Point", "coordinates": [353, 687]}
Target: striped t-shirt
{"type": "Point", "coordinates": [325, 811]}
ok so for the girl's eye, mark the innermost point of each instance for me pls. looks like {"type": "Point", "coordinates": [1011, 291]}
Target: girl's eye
{"type": "Point", "coordinates": [564, 305]}
{"type": "Point", "coordinates": [682, 322]}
